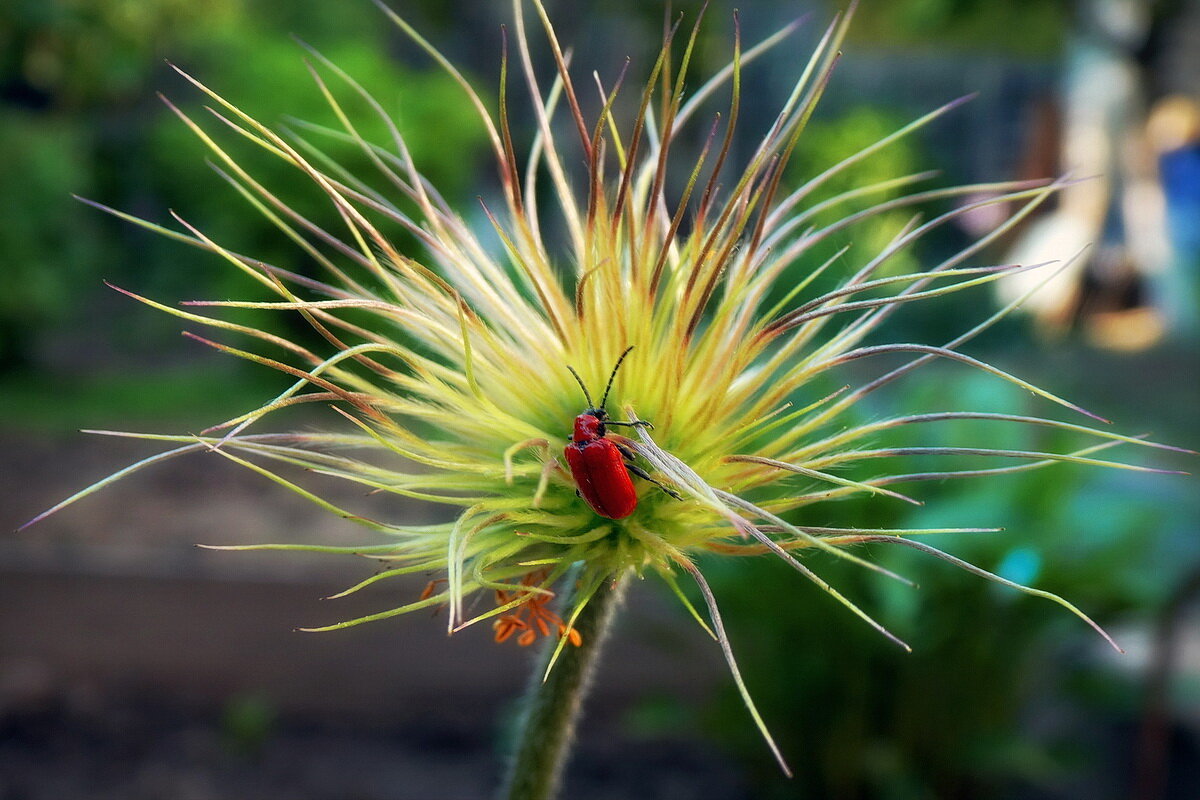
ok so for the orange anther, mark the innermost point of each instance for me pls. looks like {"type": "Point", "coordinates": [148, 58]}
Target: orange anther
{"type": "Point", "coordinates": [531, 616]}
{"type": "Point", "coordinates": [427, 592]}
{"type": "Point", "coordinates": [504, 628]}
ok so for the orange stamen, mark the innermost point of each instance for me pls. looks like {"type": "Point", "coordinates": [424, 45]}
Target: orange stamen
{"type": "Point", "coordinates": [428, 591]}
{"type": "Point", "coordinates": [532, 617]}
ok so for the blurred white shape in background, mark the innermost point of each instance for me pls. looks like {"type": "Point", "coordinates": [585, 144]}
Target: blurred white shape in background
{"type": "Point", "coordinates": [1117, 206]}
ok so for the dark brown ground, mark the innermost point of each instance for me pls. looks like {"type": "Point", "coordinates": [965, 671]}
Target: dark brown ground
{"type": "Point", "coordinates": [134, 665]}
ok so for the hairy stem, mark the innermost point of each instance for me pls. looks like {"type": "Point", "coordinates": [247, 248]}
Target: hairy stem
{"type": "Point", "coordinates": [552, 707]}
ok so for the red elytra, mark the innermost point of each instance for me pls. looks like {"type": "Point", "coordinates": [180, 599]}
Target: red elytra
{"type": "Point", "coordinates": [601, 466]}
{"type": "Point", "coordinates": [598, 467]}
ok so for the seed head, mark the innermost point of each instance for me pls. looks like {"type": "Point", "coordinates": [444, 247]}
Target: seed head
{"type": "Point", "coordinates": [447, 367]}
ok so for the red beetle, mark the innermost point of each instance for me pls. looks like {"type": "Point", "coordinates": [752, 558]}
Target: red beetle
{"type": "Point", "coordinates": [601, 466]}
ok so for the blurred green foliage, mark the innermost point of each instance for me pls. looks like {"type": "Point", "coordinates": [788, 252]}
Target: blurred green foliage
{"type": "Point", "coordinates": [79, 116]}
{"type": "Point", "coordinates": [1004, 695]}
{"type": "Point", "coordinates": [829, 141]}
{"type": "Point", "coordinates": [247, 724]}
{"type": "Point", "coordinates": [80, 54]}
{"type": "Point", "coordinates": [1023, 27]}
{"type": "Point", "coordinates": [973, 712]}
{"type": "Point", "coordinates": [46, 251]}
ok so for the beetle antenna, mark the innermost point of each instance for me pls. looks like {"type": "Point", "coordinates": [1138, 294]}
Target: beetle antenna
{"type": "Point", "coordinates": [613, 376]}
{"type": "Point", "coordinates": [579, 380]}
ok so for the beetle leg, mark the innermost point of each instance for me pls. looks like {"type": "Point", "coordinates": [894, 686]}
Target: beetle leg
{"type": "Point", "coordinates": [635, 423]}
{"type": "Point", "coordinates": [626, 451]}
{"type": "Point", "coordinates": [641, 473]}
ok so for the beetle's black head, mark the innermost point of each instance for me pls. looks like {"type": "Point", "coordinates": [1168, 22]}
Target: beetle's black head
{"type": "Point", "coordinates": [598, 413]}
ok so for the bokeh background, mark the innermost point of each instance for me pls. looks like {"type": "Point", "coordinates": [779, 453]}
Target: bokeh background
{"type": "Point", "coordinates": [133, 665]}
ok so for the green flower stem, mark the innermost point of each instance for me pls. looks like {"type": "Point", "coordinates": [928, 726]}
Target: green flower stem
{"type": "Point", "coordinates": [552, 706]}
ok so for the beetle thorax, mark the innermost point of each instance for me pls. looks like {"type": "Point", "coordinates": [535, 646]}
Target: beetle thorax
{"type": "Point", "coordinates": [588, 426]}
